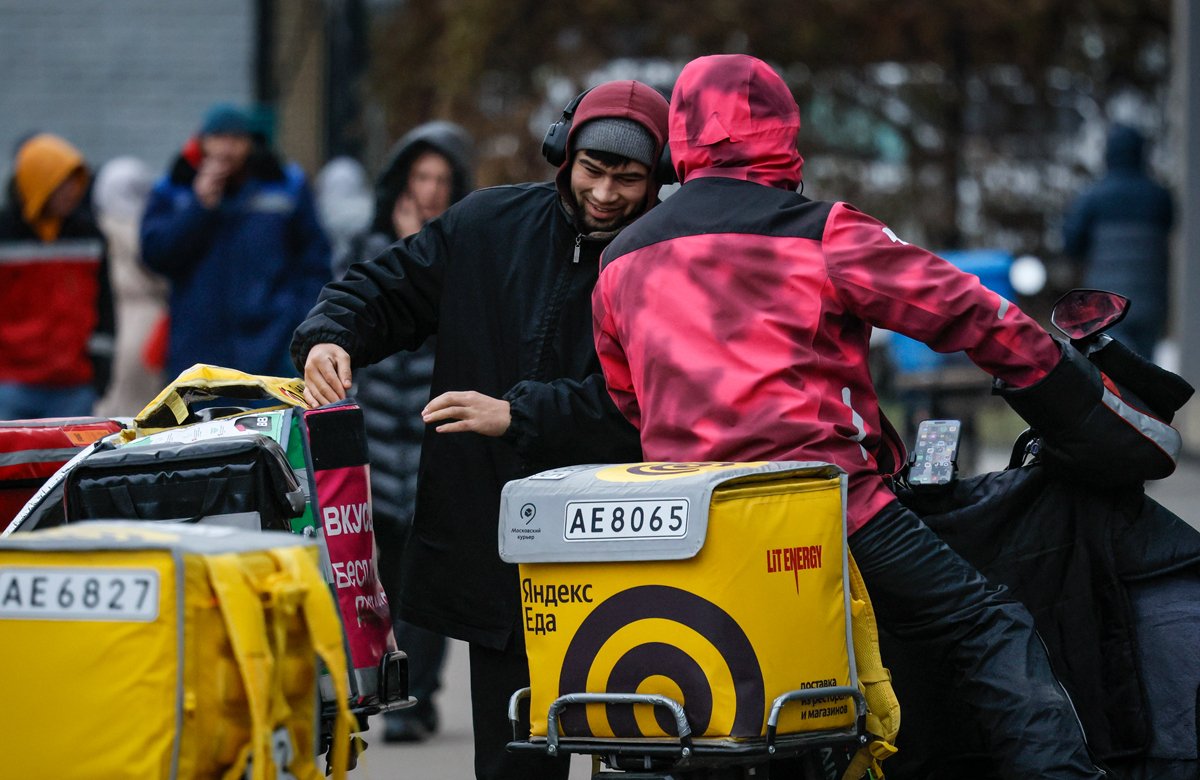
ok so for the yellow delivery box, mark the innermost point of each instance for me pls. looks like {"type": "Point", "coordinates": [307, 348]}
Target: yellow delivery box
{"type": "Point", "coordinates": [132, 650]}
{"type": "Point", "coordinates": [722, 586]}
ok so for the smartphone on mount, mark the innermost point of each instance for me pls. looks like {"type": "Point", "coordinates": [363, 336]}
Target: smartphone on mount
{"type": "Point", "coordinates": [934, 459]}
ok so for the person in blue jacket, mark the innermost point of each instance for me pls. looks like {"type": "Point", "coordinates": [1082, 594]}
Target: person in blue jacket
{"type": "Point", "coordinates": [1119, 228]}
{"type": "Point", "coordinates": [236, 232]}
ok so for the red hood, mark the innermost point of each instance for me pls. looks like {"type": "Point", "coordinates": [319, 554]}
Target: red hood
{"type": "Point", "coordinates": [732, 116]}
{"type": "Point", "coordinates": [623, 99]}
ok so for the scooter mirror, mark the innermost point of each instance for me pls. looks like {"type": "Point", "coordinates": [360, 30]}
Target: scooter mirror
{"type": "Point", "coordinates": [1082, 313]}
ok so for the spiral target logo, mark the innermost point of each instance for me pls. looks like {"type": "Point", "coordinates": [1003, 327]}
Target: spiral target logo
{"type": "Point", "coordinates": [660, 658]}
{"type": "Point", "coordinates": [650, 469]}
{"type": "Point", "coordinates": [656, 471]}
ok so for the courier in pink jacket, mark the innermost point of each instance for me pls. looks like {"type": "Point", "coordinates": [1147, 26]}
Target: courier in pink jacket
{"type": "Point", "coordinates": [733, 321]}
{"type": "Point", "coordinates": [732, 324]}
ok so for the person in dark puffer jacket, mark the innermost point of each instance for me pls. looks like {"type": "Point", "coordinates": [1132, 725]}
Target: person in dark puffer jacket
{"type": "Point", "coordinates": [428, 169]}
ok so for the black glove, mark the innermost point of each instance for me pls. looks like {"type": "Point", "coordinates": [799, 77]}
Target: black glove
{"type": "Point", "coordinates": [1088, 430]}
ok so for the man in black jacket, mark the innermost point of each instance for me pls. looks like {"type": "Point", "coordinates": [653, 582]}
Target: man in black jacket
{"type": "Point", "coordinates": [504, 279]}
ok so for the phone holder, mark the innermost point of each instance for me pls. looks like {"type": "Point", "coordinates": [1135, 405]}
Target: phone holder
{"type": "Point", "coordinates": [933, 459]}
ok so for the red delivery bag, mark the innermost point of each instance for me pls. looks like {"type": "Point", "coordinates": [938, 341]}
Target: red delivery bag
{"type": "Point", "coordinates": [32, 450]}
{"type": "Point", "coordinates": [341, 502]}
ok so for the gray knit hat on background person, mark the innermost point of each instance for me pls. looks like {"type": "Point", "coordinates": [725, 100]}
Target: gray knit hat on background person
{"type": "Point", "coordinates": [617, 136]}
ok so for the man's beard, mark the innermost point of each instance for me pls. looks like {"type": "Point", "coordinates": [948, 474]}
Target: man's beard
{"type": "Point", "coordinates": [590, 225]}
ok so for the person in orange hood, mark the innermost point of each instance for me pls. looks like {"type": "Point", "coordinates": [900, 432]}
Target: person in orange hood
{"type": "Point", "coordinates": [56, 317]}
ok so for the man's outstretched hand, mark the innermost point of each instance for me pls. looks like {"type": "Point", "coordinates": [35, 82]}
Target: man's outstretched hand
{"type": "Point", "coordinates": [326, 374]}
{"type": "Point", "coordinates": [467, 410]}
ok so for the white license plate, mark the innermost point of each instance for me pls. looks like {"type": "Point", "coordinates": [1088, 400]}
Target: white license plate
{"type": "Point", "coordinates": [626, 519]}
{"type": "Point", "coordinates": [62, 593]}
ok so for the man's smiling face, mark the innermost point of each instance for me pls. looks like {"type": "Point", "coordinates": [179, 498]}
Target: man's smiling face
{"type": "Point", "coordinates": [607, 196]}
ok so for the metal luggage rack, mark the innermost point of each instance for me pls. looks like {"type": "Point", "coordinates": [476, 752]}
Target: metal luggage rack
{"type": "Point", "coordinates": [684, 752]}
{"type": "Point", "coordinates": [392, 694]}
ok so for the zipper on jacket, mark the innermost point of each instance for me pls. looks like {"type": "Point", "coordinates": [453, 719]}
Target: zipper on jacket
{"type": "Point", "coordinates": [549, 326]}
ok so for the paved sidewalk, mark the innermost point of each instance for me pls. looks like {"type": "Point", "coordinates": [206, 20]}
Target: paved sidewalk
{"type": "Point", "coordinates": [448, 756]}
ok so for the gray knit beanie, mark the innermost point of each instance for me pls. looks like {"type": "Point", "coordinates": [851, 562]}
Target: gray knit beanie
{"type": "Point", "coordinates": [617, 136]}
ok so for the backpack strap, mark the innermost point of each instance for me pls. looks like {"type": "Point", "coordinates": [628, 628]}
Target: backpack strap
{"type": "Point", "coordinates": [325, 632]}
{"type": "Point", "coordinates": [242, 611]}
{"type": "Point", "coordinates": [883, 708]}
{"type": "Point", "coordinates": [257, 647]}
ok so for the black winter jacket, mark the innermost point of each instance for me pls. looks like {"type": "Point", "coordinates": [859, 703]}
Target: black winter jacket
{"type": "Point", "coordinates": [504, 280]}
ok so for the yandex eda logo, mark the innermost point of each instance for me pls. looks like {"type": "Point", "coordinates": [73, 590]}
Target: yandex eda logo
{"type": "Point", "coordinates": [794, 559]}
{"type": "Point", "coordinates": [347, 519]}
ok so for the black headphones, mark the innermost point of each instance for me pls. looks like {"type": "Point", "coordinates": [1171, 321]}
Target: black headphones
{"type": "Point", "coordinates": [554, 145]}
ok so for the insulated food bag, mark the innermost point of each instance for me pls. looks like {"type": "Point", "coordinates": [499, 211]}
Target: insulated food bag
{"type": "Point", "coordinates": [165, 651]}
{"type": "Point", "coordinates": [721, 585]}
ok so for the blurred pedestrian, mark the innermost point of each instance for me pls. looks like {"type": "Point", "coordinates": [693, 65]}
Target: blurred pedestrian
{"type": "Point", "coordinates": [503, 278]}
{"type": "Point", "coordinates": [236, 231]}
{"type": "Point", "coordinates": [118, 199]}
{"type": "Point", "coordinates": [428, 169]}
{"type": "Point", "coordinates": [56, 315]}
{"type": "Point", "coordinates": [1118, 229]}
{"type": "Point", "coordinates": [344, 205]}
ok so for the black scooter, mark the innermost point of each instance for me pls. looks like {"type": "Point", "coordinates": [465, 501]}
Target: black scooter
{"type": "Point", "coordinates": [1111, 577]}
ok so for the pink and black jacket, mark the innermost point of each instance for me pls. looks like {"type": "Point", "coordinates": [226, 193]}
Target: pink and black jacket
{"type": "Point", "coordinates": [732, 321]}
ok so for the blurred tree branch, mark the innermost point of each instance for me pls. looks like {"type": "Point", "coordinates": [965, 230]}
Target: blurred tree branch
{"type": "Point", "coordinates": [964, 122]}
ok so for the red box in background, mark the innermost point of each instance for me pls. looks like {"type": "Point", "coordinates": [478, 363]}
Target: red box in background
{"type": "Point", "coordinates": [32, 450]}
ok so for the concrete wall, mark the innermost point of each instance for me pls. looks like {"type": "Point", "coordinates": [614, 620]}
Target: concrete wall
{"type": "Point", "coordinates": [298, 65]}
{"type": "Point", "coordinates": [119, 77]}
{"type": "Point", "coordinates": [1187, 266]}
